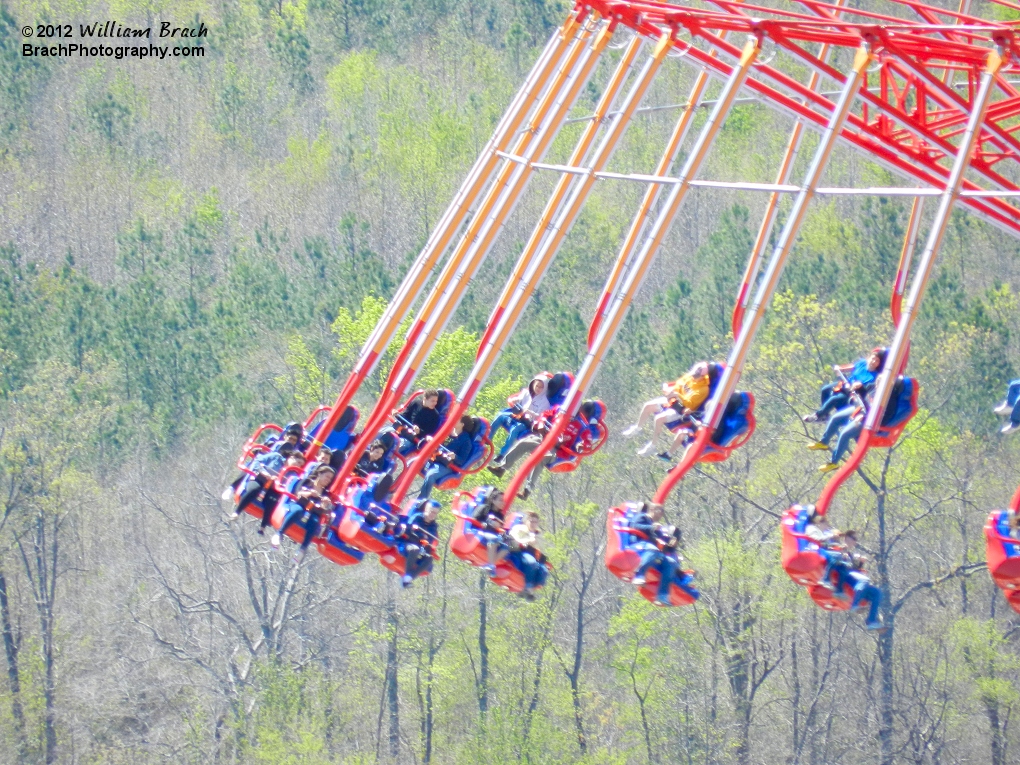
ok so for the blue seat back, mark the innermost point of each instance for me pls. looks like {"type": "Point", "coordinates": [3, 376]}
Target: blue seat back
{"type": "Point", "coordinates": [557, 388]}
{"type": "Point", "coordinates": [800, 526]}
{"type": "Point", "coordinates": [1002, 526]}
{"type": "Point", "coordinates": [901, 405]}
{"type": "Point", "coordinates": [446, 399]}
{"type": "Point", "coordinates": [478, 441]}
{"type": "Point", "coordinates": [735, 420]}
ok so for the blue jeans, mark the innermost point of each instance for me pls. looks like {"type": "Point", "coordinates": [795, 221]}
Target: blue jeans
{"type": "Point", "coordinates": [833, 563]}
{"type": "Point", "coordinates": [534, 572]}
{"type": "Point", "coordinates": [831, 401]}
{"type": "Point", "coordinates": [417, 561]}
{"type": "Point", "coordinates": [667, 567]}
{"type": "Point", "coordinates": [297, 514]}
{"type": "Point", "coordinates": [846, 435]}
{"type": "Point", "coordinates": [1013, 400]}
{"type": "Point", "coordinates": [837, 421]}
{"type": "Point", "coordinates": [515, 429]}
{"type": "Point", "coordinates": [865, 590]}
{"type": "Point", "coordinates": [406, 447]}
{"type": "Point", "coordinates": [436, 473]}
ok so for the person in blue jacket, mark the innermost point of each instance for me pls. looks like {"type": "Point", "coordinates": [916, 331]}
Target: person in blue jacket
{"type": "Point", "coordinates": [849, 422]}
{"type": "Point", "coordinates": [417, 536]}
{"type": "Point", "coordinates": [654, 550]}
{"type": "Point", "coordinates": [456, 451]}
{"type": "Point", "coordinates": [663, 556]}
{"type": "Point", "coordinates": [310, 506]}
{"type": "Point", "coordinates": [264, 482]}
{"type": "Point", "coordinates": [857, 378]}
{"type": "Point", "coordinates": [863, 588]}
{"type": "Point", "coordinates": [293, 434]}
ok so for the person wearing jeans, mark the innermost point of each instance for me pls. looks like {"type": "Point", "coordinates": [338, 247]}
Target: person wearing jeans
{"type": "Point", "coordinates": [1011, 406]}
{"type": "Point", "coordinates": [865, 590]}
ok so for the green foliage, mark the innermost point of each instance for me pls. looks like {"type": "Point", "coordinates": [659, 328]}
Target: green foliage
{"type": "Point", "coordinates": [20, 80]}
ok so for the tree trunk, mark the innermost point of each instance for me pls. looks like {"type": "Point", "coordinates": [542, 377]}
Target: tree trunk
{"type": "Point", "coordinates": [575, 674]}
{"type": "Point", "coordinates": [13, 674]}
{"type": "Point", "coordinates": [997, 739]}
{"type": "Point", "coordinates": [885, 640]}
{"type": "Point", "coordinates": [392, 697]}
{"type": "Point", "coordinates": [483, 650]}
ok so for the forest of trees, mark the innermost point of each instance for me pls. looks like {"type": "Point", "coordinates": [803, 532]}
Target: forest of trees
{"type": "Point", "coordinates": [191, 247]}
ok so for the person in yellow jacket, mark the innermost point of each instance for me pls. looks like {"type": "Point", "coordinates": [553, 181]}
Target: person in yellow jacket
{"type": "Point", "coordinates": [682, 401]}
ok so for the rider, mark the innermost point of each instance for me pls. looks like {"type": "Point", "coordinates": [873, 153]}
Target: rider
{"type": "Point", "coordinates": [525, 407]}
{"type": "Point", "coordinates": [417, 535]}
{"type": "Point", "coordinates": [663, 556]}
{"type": "Point", "coordinates": [418, 421]}
{"type": "Point", "coordinates": [857, 378]}
{"type": "Point", "coordinates": [308, 508]}
{"type": "Point", "coordinates": [293, 434]}
{"type": "Point", "coordinates": [490, 512]}
{"type": "Point", "coordinates": [684, 400]}
{"type": "Point", "coordinates": [264, 482]}
{"type": "Point", "coordinates": [455, 452]}
{"type": "Point", "coordinates": [524, 554]}
{"type": "Point", "coordinates": [849, 422]}
{"type": "Point", "coordinates": [1010, 406]}
{"type": "Point", "coordinates": [373, 460]}
{"type": "Point", "coordinates": [863, 588]}
{"type": "Point", "coordinates": [576, 430]}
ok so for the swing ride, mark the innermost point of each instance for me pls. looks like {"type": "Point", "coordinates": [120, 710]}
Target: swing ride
{"type": "Point", "coordinates": [924, 94]}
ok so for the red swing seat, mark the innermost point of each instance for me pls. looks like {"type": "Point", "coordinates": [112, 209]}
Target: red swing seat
{"type": "Point", "coordinates": [885, 437]}
{"type": "Point", "coordinates": [732, 438]}
{"type": "Point", "coordinates": [800, 557]}
{"type": "Point", "coordinates": [623, 561]}
{"type": "Point", "coordinates": [1002, 553]}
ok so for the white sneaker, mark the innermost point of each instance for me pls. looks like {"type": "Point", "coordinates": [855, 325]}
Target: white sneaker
{"type": "Point", "coordinates": [228, 494]}
{"type": "Point", "coordinates": [1003, 409]}
{"type": "Point", "coordinates": [235, 515]}
{"type": "Point", "coordinates": [631, 431]}
{"type": "Point", "coordinates": [489, 569]}
{"type": "Point", "coordinates": [1009, 427]}
{"type": "Point", "coordinates": [275, 541]}
{"type": "Point", "coordinates": [406, 580]}
{"type": "Point", "coordinates": [646, 449]}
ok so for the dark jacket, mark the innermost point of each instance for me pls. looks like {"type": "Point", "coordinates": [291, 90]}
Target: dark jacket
{"type": "Point", "coordinates": [427, 420]}
{"type": "Point", "coordinates": [415, 529]}
{"type": "Point", "coordinates": [461, 446]}
{"type": "Point", "coordinates": [367, 467]}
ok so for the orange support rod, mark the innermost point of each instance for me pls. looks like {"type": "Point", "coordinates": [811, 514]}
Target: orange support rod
{"type": "Point", "coordinates": [741, 346]}
{"type": "Point", "coordinates": [553, 205]}
{"type": "Point", "coordinates": [479, 246]}
{"type": "Point", "coordinates": [676, 139]}
{"type": "Point", "coordinates": [901, 340]}
{"type": "Point", "coordinates": [509, 180]}
{"type": "Point", "coordinates": [906, 254]}
{"type": "Point", "coordinates": [414, 282]}
{"type": "Point", "coordinates": [506, 176]}
{"type": "Point", "coordinates": [540, 251]}
{"type": "Point", "coordinates": [635, 277]}
{"type": "Point", "coordinates": [768, 221]}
